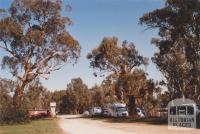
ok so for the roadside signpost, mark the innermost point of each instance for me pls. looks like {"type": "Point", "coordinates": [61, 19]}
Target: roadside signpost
{"type": "Point", "coordinates": [53, 109]}
{"type": "Point", "coordinates": [182, 114]}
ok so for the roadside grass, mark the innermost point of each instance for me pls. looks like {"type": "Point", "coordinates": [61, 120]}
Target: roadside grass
{"type": "Point", "coordinates": [41, 126]}
{"type": "Point", "coordinates": [151, 120]}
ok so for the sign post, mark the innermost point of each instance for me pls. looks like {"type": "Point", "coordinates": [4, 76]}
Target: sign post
{"type": "Point", "coordinates": [53, 109]}
{"type": "Point", "coordinates": [181, 114]}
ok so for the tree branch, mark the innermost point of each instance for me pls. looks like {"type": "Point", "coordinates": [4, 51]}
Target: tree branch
{"type": "Point", "coordinates": [48, 57]}
{"type": "Point", "coordinates": [8, 50]}
{"type": "Point", "coordinates": [45, 74]}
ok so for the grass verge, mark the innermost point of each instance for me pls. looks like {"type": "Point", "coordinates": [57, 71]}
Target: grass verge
{"type": "Point", "coordinates": [42, 126]}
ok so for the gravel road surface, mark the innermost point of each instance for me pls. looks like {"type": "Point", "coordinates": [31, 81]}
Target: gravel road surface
{"type": "Point", "coordinates": [74, 124]}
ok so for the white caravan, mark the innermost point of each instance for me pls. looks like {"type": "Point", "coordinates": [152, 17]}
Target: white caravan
{"type": "Point", "coordinates": [96, 111]}
{"type": "Point", "coordinates": [117, 110]}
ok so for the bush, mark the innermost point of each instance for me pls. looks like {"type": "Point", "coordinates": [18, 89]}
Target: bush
{"type": "Point", "coordinates": [11, 114]}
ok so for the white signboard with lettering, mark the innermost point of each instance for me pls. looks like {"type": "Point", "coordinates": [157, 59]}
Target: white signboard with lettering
{"type": "Point", "coordinates": [53, 109]}
{"type": "Point", "coordinates": [182, 113]}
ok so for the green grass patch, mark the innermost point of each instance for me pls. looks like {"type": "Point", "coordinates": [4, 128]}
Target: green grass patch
{"type": "Point", "coordinates": [42, 126]}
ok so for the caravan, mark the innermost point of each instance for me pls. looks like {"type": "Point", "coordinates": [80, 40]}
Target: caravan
{"type": "Point", "coordinates": [117, 110]}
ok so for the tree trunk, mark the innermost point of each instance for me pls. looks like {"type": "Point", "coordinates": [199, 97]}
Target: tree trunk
{"type": "Point", "coordinates": [19, 92]}
{"type": "Point", "coordinates": [131, 104]}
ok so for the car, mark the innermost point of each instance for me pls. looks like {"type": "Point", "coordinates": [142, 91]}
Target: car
{"type": "Point", "coordinates": [86, 113]}
{"type": "Point", "coordinates": [96, 111]}
{"type": "Point", "coordinates": [105, 112]}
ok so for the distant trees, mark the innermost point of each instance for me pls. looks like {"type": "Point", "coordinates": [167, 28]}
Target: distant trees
{"type": "Point", "coordinates": [5, 98]}
{"type": "Point", "coordinates": [78, 97]}
{"type": "Point", "coordinates": [8, 111]}
{"type": "Point", "coordinates": [37, 97]}
{"type": "Point", "coordinates": [81, 94]}
{"type": "Point", "coordinates": [75, 99]}
{"type": "Point", "coordinates": [178, 57]}
{"type": "Point", "coordinates": [57, 97]}
{"type": "Point", "coordinates": [98, 96]}
{"type": "Point", "coordinates": [33, 35]}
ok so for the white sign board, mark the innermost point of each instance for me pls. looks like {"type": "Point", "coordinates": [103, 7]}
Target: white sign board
{"type": "Point", "coordinates": [53, 109]}
{"type": "Point", "coordinates": [182, 114]}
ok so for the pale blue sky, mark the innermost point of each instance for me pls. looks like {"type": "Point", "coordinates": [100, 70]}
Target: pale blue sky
{"type": "Point", "coordinates": [94, 19]}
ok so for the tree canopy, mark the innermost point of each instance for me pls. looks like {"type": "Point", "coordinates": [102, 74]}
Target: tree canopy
{"type": "Point", "coordinates": [34, 35]}
{"type": "Point", "coordinates": [179, 49]}
{"type": "Point", "coordinates": [109, 56]}
{"type": "Point", "coordinates": [122, 62]}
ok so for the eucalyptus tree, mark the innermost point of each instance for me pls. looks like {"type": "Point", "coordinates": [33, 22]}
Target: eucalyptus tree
{"type": "Point", "coordinates": [34, 36]}
{"type": "Point", "coordinates": [138, 90]}
{"type": "Point", "coordinates": [78, 96]}
{"type": "Point", "coordinates": [111, 57]}
{"type": "Point", "coordinates": [118, 60]}
{"type": "Point", "coordinates": [178, 43]}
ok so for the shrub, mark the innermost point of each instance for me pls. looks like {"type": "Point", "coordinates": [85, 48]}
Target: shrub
{"type": "Point", "coordinates": [10, 114]}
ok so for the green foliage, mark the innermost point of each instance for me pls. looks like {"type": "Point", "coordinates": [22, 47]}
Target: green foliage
{"type": "Point", "coordinates": [138, 90]}
{"type": "Point", "coordinates": [36, 96]}
{"type": "Point", "coordinates": [34, 35]}
{"type": "Point", "coordinates": [13, 114]}
{"type": "Point", "coordinates": [10, 114]}
{"type": "Point", "coordinates": [178, 57]}
{"type": "Point", "coordinates": [57, 97]}
{"type": "Point", "coordinates": [109, 56]}
{"type": "Point", "coordinates": [98, 98]}
{"type": "Point", "coordinates": [108, 89]}
{"type": "Point", "coordinates": [75, 99]}
{"type": "Point", "coordinates": [130, 84]}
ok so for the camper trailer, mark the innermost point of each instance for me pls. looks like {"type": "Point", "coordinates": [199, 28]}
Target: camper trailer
{"type": "Point", "coordinates": [117, 110]}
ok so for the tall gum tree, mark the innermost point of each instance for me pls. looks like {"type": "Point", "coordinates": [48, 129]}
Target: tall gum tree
{"type": "Point", "coordinates": [109, 56]}
{"type": "Point", "coordinates": [119, 60]}
{"type": "Point", "coordinates": [178, 43]}
{"type": "Point", "coordinates": [34, 35]}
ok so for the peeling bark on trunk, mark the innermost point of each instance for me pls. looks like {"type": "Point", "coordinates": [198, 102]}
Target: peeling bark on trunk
{"type": "Point", "coordinates": [19, 91]}
{"type": "Point", "coordinates": [18, 94]}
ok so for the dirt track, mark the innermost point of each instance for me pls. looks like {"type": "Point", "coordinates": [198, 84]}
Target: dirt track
{"type": "Point", "coordinates": [75, 125]}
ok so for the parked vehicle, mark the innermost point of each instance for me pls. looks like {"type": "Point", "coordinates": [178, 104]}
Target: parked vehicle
{"type": "Point", "coordinates": [118, 110]}
{"type": "Point", "coordinates": [39, 113]}
{"type": "Point", "coordinates": [140, 113]}
{"type": "Point", "coordinates": [105, 112]}
{"type": "Point", "coordinates": [86, 113]}
{"type": "Point", "coordinates": [96, 111]}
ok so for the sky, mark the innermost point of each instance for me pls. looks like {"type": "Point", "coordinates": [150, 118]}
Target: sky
{"type": "Point", "coordinates": [93, 20]}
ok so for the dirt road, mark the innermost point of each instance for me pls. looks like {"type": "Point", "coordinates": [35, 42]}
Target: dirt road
{"type": "Point", "coordinates": [76, 125]}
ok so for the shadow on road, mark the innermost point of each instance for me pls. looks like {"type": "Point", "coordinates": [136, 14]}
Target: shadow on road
{"type": "Point", "coordinates": [73, 118]}
{"type": "Point", "coordinates": [152, 121]}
